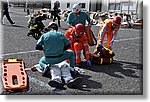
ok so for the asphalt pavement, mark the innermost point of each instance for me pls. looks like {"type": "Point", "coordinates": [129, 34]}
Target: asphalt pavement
{"type": "Point", "coordinates": [123, 77]}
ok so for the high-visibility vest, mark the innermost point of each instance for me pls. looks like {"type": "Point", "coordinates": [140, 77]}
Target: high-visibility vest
{"type": "Point", "coordinates": [109, 29]}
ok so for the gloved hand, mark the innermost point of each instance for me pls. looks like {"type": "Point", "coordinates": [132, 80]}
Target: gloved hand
{"type": "Point", "coordinates": [88, 62]}
{"type": "Point", "coordinates": [89, 25]}
{"type": "Point", "coordinates": [100, 43]}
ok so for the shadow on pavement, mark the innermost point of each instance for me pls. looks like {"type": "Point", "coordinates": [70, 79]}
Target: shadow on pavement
{"type": "Point", "coordinates": [9, 25]}
{"type": "Point", "coordinates": [118, 69]}
{"type": "Point", "coordinates": [88, 84]}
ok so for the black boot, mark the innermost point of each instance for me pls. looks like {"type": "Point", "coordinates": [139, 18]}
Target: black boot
{"type": "Point", "coordinates": [75, 82]}
{"type": "Point", "coordinates": [56, 84]}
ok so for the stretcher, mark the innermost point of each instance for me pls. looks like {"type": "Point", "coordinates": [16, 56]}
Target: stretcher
{"type": "Point", "coordinates": [14, 76]}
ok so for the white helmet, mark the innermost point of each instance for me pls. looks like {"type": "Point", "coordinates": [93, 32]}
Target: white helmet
{"type": "Point", "coordinates": [76, 8]}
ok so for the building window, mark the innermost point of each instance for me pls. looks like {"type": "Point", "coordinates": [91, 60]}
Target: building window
{"type": "Point", "coordinates": [125, 5]}
{"type": "Point", "coordinates": [68, 5]}
{"type": "Point", "coordinates": [114, 6]}
{"type": "Point", "coordinates": [111, 6]}
{"type": "Point", "coordinates": [82, 5]}
{"type": "Point", "coordinates": [117, 6]}
{"type": "Point", "coordinates": [128, 6]}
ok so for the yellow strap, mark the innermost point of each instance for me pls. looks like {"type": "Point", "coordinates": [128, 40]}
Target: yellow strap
{"type": "Point", "coordinates": [12, 60]}
{"type": "Point", "coordinates": [101, 62]}
{"type": "Point", "coordinates": [106, 48]}
{"type": "Point", "coordinates": [110, 52]}
{"type": "Point", "coordinates": [110, 60]}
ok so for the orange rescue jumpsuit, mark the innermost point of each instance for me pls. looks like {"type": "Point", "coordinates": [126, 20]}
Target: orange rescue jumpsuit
{"type": "Point", "coordinates": [111, 32]}
{"type": "Point", "coordinates": [78, 43]}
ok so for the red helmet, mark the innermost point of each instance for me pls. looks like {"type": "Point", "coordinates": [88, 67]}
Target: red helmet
{"type": "Point", "coordinates": [117, 20]}
{"type": "Point", "coordinates": [80, 29]}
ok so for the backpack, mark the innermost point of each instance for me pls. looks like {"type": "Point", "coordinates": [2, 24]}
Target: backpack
{"type": "Point", "coordinates": [103, 55]}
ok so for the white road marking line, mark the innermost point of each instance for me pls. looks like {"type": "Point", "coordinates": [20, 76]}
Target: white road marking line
{"type": "Point", "coordinates": [21, 52]}
{"type": "Point", "coordinates": [34, 80]}
{"type": "Point", "coordinates": [39, 82]}
{"type": "Point", "coordinates": [128, 39]}
{"type": "Point", "coordinates": [129, 42]}
{"type": "Point", "coordinates": [16, 53]}
{"type": "Point", "coordinates": [51, 89]}
{"type": "Point", "coordinates": [42, 84]}
{"type": "Point", "coordinates": [130, 29]}
{"type": "Point", "coordinates": [40, 51]}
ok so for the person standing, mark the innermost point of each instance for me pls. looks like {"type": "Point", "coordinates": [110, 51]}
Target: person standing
{"type": "Point", "coordinates": [5, 7]}
{"type": "Point", "coordinates": [109, 28]}
{"type": "Point", "coordinates": [56, 12]}
{"type": "Point", "coordinates": [77, 16]}
{"type": "Point", "coordinates": [27, 8]}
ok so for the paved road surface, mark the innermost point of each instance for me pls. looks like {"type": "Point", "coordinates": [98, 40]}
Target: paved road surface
{"type": "Point", "coordinates": [122, 77]}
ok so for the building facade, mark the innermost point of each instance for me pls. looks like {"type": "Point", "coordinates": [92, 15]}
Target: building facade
{"type": "Point", "coordinates": [118, 6]}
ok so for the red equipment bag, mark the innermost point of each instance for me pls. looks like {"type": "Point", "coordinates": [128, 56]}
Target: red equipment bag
{"type": "Point", "coordinates": [101, 60]}
{"type": "Point", "coordinates": [105, 52]}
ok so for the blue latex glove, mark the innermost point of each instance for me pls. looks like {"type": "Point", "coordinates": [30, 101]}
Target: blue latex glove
{"type": "Point", "coordinates": [89, 25]}
{"type": "Point", "coordinates": [88, 62]}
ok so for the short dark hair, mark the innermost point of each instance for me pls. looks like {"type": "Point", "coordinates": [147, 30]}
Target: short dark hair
{"type": "Point", "coordinates": [53, 26]}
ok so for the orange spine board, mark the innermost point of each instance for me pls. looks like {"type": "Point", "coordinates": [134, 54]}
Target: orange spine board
{"type": "Point", "coordinates": [14, 76]}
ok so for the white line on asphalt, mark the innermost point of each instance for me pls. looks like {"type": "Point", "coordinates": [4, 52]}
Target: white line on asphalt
{"type": "Point", "coordinates": [34, 80]}
{"type": "Point", "coordinates": [131, 29]}
{"type": "Point", "coordinates": [19, 53]}
{"type": "Point", "coordinates": [42, 84]}
{"type": "Point", "coordinates": [39, 51]}
{"type": "Point", "coordinates": [128, 39]}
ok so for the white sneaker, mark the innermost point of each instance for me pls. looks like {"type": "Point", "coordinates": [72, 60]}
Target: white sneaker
{"type": "Point", "coordinates": [79, 70]}
{"type": "Point", "coordinates": [37, 68]}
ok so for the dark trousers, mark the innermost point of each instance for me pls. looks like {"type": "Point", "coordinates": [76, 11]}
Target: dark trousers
{"type": "Point", "coordinates": [28, 12]}
{"type": "Point", "coordinates": [58, 18]}
{"type": "Point", "coordinates": [7, 16]}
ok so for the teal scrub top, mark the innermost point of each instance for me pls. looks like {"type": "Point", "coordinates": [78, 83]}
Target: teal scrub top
{"type": "Point", "coordinates": [53, 43]}
{"type": "Point", "coordinates": [81, 18]}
